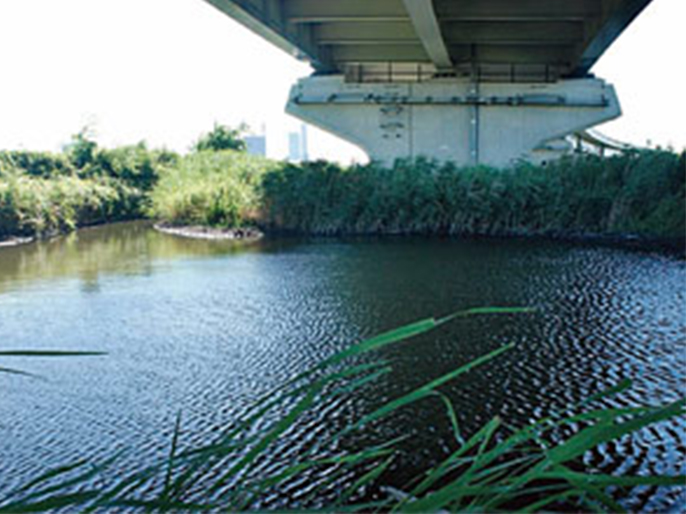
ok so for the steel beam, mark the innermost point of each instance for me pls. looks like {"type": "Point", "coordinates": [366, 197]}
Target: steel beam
{"type": "Point", "coordinates": [429, 31]}
{"type": "Point", "coordinates": [348, 11]}
{"type": "Point", "coordinates": [379, 54]}
{"type": "Point", "coordinates": [564, 37]}
{"type": "Point", "coordinates": [520, 10]}
{"type": "Point", "coordinates": [266, 20]}
{"type": "Point", "coordinates": [620, 15]}
{"type": "Point", "coordinates": [506, 31]}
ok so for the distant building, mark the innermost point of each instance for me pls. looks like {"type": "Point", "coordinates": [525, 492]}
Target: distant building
{"type": "Point", "coordinates": [297, 145]}
{"type": "Point", "coordinates": [303, 142]}
{"type": "Point", "coordinates": [257, 145]}
{"type": "Point", "coordinates": [294, 147]}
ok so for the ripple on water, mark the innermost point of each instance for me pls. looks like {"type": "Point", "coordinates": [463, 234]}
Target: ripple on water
{"type": "Point", "coordinates": [207, 332]}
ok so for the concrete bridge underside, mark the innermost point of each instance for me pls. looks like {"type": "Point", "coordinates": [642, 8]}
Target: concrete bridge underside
{"type": "Point", "coordinates": [474, 81]}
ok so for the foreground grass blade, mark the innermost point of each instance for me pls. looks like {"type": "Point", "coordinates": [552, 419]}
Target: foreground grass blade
{"type": "Point", "coordinates": [486, 310]}
{"type": "Point", "coordinates": [427, 389]}
{"type": "Point", "coordinates": [52, 474]}
{"type": "Point", "coordinates": [495, 468]}
{"type": "Point", "coordinates": [271, 436]}
{"type": "Point", "coordinates": [616, 481]}
{"type": "Point", "coordinates": [55, 502]}
{"type": "Point", "coordinates": [385, 339]}
{"type": "Point", "coordinates": [170, 459]}
{"type": "Point", "coordinates": [619, 388]}
{"type": "Point", "coordinates": [47, 353]}
{"type": "Point", "coordinates": [451, 416]}
{"type": "Point", "coordinates": [12, 371]}
{"type": "Point", "coordinates": [365, 480]}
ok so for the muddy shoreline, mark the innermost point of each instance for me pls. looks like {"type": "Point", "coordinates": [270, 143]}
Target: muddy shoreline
{"type": "Point", "coordinates": [627, 241]}
{"type": "Point", "coordinates": [209, 233]}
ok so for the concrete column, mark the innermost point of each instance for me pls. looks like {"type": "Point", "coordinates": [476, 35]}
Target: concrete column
{"type": "Point", "coordinates": [435, 119]}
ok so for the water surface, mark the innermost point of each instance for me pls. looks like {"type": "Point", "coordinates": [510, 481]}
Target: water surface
{"type": "Point", "coordinates": [206, 327]}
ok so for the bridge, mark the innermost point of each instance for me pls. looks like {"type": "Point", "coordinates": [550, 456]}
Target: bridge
{"type": "Point", "coordinates": [472, 81]}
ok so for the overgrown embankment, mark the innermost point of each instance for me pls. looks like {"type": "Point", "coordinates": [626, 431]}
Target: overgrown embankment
{"type": "Point", "coordinates": [212, 188]}
{"type": "Point", "coordinates": [219, 185]}
{"type": "Point", "coordinates": [43, 193]}
{"type": "Point", "coordinates": [641, 193]}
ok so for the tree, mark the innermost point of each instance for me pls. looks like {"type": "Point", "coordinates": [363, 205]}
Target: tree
{"type": "Point", "coordinates": [223, 138]}
{"type": "Point", "coordinates": [82, 148]}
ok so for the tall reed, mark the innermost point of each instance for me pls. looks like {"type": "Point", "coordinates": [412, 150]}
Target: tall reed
{"type": "Point", "coordinates": [211, 188]}
{"type": "Point", "coordinates": [642, 193]}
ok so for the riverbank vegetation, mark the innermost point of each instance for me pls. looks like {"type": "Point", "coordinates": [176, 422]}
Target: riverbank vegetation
{"type": "Point", "coordinates": [214, 188]}
{"type": "Point", "coordinates": [639, 193]}
{"type": "Point", "coordinates": [500, 467]}
{"type": "Point", "coordinates": [42, 193]}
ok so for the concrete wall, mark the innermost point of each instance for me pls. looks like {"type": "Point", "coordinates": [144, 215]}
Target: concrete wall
{"type": "Point", "coordinates": [435, 119]}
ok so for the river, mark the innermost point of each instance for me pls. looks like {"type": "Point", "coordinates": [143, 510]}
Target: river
{"type": "Point", "coordinates": [206, 327]}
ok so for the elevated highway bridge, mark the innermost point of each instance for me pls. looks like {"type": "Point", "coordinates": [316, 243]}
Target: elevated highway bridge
{"type": "Point", "coordinates": [473, 81]}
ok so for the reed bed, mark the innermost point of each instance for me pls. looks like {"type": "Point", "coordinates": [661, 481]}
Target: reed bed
{"type": "Point", "coordinates": [641, 193]}
{"type": "Point", "coordinates": [214, 188]}
{"type": "Point", "coordinates": [43, 194]}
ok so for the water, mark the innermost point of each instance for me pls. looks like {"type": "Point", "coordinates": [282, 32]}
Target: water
{"type": "Point", "coordinates": [206, 327]}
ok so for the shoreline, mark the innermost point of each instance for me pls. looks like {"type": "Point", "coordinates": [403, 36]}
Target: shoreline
{"type": "Point", "coordinates": [209, 233]}
{"type": "Point", "coordinates": [635, 242]}
{"type": "Point", "coordinates": [668, 246]}
{"type": "Point", "coordinates": [14, 241]}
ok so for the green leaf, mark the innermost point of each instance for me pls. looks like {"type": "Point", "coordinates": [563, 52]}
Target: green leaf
{"type": "Point", "coordinates": [55, 502]}
{"type": "Point", "coordinates": [47, 353]}
{"type": "Point", "coordinates": [365, 480]}
{"type": "Point", "coordinates": [452, 417]}
{"type": "Point", "coordinates": [428, 389]}
{"type": "Point", "coordinates": [52, 473]}
{"type": "Point", "coordinates": [12, 371]}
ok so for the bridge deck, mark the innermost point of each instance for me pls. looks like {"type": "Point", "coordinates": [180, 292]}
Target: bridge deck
{"type": "Point", "coordinates": [382, 40]}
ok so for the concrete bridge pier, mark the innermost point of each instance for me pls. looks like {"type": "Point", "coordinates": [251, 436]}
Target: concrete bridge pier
{"type": "Point", "coordinates": [455, 119]}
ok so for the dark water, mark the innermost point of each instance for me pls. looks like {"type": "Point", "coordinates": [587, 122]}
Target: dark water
{"type": "Point", "coordinates": [207, 327]}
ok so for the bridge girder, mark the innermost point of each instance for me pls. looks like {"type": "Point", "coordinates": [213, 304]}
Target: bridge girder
{"type": "Point", "coordinates": [534, 39]}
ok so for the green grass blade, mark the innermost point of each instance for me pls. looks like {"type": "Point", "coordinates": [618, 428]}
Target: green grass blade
{"type": "Point", "coordinates": [452, 417]}
{"type": "Point", "coordinates": [439, 472]}
{"type": "Point", "coordinates": [170, 459]}
{"type": "Point", "coordinates": [161, 505]}
{"type": "Point", "coordinates": [364, 480]}
{"type": "Point", "coordinates": [53, 503]}
{"type": "Point", "coordinates": [616, 481]}
{"type": "Point", "coordinates": [284, 424]}
{"type": "Point", "coordinates": [619, 388]}
{"type": "Point", "coordinates": [385, 339]}
{"type": "Point", "coordinates": [12, 371]}
{"type": "Point", "coordinates": [78, 479]}
{"type": "Point", "coordinates": [606, 431]}
{"type": "Point", "coordinates": [475, 311]}
{"type": "Point", "coordinates": [51, 474]}
{"type": "Point", "coordinates": [427, 389]}
{"type": "Point", "coordinates": [47, 353]}
{"type": "Point", "coordinates": [544, 502]}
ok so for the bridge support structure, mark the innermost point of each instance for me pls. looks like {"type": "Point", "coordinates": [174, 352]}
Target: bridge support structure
{"type": "Point", "coordinates": [454, 119]}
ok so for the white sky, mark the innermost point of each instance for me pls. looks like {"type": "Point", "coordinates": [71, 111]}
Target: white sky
{"type": "Point", "coordinates": [165, 70]}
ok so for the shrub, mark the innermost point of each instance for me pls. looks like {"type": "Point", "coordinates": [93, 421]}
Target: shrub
{"type": "Point", "coordinates": [211, 188]}
{"type": "Point", "coordinates": [221, 138]}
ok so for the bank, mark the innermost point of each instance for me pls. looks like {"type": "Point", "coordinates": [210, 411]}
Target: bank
{"type": "Point", "coordinates": [634, 199]}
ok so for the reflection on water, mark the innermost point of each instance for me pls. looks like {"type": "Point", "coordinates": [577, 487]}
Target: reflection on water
{"type": "Point", "coordinates": [206, 327]}
{"type": "Point", "coordinates": [123, 248]}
